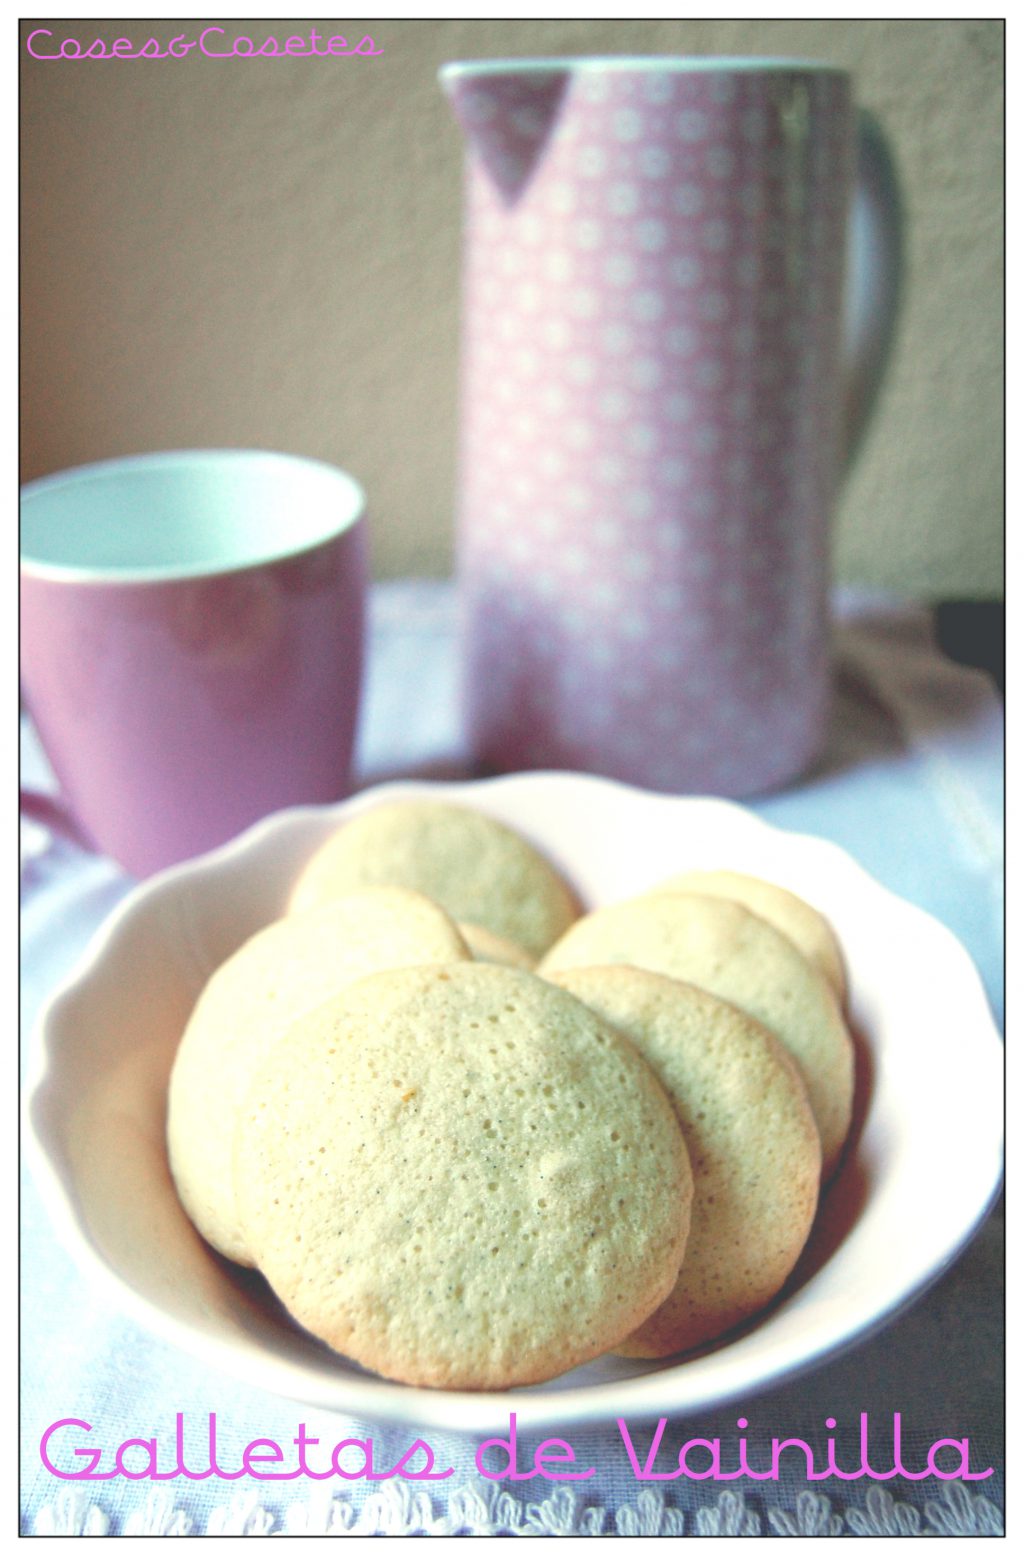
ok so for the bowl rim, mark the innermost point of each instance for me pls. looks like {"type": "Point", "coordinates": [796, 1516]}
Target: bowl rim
{"type": "Point", "coordinates": [637, 1395]}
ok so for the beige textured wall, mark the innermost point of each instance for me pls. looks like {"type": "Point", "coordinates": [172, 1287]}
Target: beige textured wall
{"type": "Point", "coordinates": [266, 253]}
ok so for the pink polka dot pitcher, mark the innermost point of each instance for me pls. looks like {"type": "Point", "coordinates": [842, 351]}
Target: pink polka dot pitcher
{"type": "Point", "coordinates": [661, 379]}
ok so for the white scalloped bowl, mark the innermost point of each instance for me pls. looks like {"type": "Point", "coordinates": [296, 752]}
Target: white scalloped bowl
{"type": "Point", "coordinates": [923, 1164]}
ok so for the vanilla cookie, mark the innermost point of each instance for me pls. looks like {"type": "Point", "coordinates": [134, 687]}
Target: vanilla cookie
{"type": "Point", "coordinates": [280, 973]}
{"type": "Point", "coordinates": [726, 949]}
{"type": "Point", "coordinates": [461, 1178]}
{"type": "Point", "coordinates": [751, 1137]}
{"type": "Point", "coordinates": [489, 947]}
{"type": "Point", "coordinates": [808, 929]}
{"type": "Point", "coordinates": [477, 869]}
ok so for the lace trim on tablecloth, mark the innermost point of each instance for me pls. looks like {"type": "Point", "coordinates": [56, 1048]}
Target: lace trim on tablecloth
{"type": "Point", "coordinates": [397, 1510]}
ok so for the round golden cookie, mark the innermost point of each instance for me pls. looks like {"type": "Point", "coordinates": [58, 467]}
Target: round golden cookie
{"type": "Point", "coordinates": [752, 1140]}
{"type": "Point", "coordinates": [460, 1178]}
{"type": "Point", "coordinates": [726, 949]}
{"type": "Point", "coordinates": [486, 946]}
{"type": "Point", "coordinates": [808, 929]}
{"type": "Point", "coordinates": [480, 871]}
{"type": "Point", "coordinates": [280, 973]}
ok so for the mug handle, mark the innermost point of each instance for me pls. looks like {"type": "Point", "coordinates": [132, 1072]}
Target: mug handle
{"type": "Point", "coordinates": [47, 809]}
{"type": "Point", "coordinates": [51, 812]}
{"type": "Point", "coordinates": [874, 267]}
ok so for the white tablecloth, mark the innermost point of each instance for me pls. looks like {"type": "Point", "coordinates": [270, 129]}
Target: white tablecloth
{"type": "Point", "coordinates": [912, 787]}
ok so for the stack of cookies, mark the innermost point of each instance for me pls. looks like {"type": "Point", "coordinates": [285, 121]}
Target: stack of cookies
{"type": "Point", "coordinates": [473, 1139]}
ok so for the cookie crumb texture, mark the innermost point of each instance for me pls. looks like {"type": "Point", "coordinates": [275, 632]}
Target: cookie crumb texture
{"type": "Point", "coordinates": [461, 1178]}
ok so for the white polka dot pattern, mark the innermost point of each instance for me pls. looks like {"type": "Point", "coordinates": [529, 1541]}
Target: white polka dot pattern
{"type": "Point", "coordinates": [650, 404]}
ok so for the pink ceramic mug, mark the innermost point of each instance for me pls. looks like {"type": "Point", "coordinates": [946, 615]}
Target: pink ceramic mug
{"type": "Point", "coordinates": [656, 404]}
{"type": "Point", "coordinates": [191, 643]}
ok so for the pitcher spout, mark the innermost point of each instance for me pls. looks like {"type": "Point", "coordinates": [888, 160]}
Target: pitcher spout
{"type": "Point", "coordinates": [507, 115]}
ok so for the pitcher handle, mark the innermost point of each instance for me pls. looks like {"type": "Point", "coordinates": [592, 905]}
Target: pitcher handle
{"type": "Point", "coordinates": [874, 280]}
